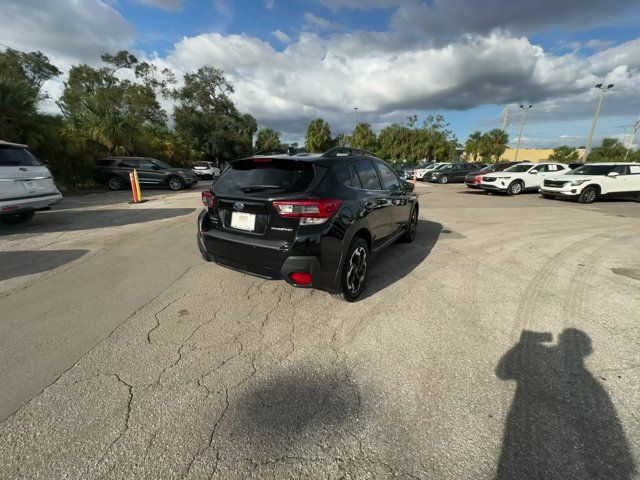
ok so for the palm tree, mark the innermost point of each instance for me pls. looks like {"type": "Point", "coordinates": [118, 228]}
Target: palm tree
{"type": "Point", "coordinates": [267, 139]}
{"type": "Point", "coordinates": [496, 142]}
{"type": "Point", "coordinates": [318, 137]}
{"type": "Point", "coordinates": [473, 144]}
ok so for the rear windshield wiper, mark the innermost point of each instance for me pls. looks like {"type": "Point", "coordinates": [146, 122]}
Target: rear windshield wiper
{"type": "Point", "coordinates": [259, 188]}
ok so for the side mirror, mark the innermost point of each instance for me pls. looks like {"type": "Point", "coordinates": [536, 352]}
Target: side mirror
{"type": "Point", "coordinates": [408, 186]}
{"type": "Point", "coordinates": [612, 174]}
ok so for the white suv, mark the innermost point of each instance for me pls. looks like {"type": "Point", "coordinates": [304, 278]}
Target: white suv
{"type": "Point", "coordinates": [592, 180]}
{"type": "Point", "coordinates": [424, 171]}
{"type": "Point", "coordinates": [521, 177]}
{"type": "Point", "coordinates": [25, 184]}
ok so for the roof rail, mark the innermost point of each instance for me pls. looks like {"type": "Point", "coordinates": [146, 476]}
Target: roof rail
{"type": "Point", "coordinates": [346, 152]}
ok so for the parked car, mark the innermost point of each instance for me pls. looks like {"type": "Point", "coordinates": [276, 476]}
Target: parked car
{"type": "Point", "coordinates": [472, 180]}
{"type": "Point", "coordinates": [206, 170]}
{"type": "Point", "coordinates": [454, 172]}
{"type": "Point", "coordinates": [26, 185]}
{"type": "Point", "coordinates": [114, 172]}
{"type": "Point", "coordinates": [423, 171]}
{"type": "Point", "coordinates": [313, 221]}
{"type": "Point", "coordinates": [595, 180]}
{"type": "Point", "coordinates": [521, 177]}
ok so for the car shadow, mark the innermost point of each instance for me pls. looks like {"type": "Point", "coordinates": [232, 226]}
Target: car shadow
{"type": "Point", "coordinates": [562, 423]}
{"type": "Point", "coordinates": [398, 260]}
{"type": "Point", "coordinates": [71, 220]}
{"type": "Point", "coordinates": [283, 409]}
{"type": "Point", "coordinates": [20, 263]}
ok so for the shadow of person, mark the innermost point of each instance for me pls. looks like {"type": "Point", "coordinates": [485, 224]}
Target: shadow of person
{"type": "Point", "coordinates": [562, 424]}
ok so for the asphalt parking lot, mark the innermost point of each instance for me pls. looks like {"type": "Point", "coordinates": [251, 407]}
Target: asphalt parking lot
{"type": "Point", "coordinates": [502, 343]}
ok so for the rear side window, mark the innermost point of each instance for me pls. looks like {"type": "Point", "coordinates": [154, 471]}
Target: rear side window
{"type": "Point", "coordinates": [128, 163]}
{"type": "Point", "coordinates": [343, 176]}
{"type": "Point", "coordinates": [106, 162]}
{"type": "Point", "coordinates": [17, 157]}
{"type": "Point", "coordinates": [368, 176]}
{"type": "Point", "coordinates": [254, 176]}
{"type": "Point", "coordinates": [389, 179]}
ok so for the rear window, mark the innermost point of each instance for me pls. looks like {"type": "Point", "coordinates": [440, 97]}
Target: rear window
{"type": "Point", "coordinates": [17, 157]}
{"type": "Point", "coordinates": [201, 164]}
{"type": "Point", "coordinates": [258, 175]}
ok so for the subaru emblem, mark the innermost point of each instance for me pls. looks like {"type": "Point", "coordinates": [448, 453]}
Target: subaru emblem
{"type": "Point", "coordinates": [239, 206]}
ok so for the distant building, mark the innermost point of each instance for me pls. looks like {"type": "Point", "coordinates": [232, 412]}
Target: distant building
{"type": "Point", "coordinates": [535, 155]}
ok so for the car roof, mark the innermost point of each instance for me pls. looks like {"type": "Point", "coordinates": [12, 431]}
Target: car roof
{"type": "Point", "coordinates": [12, 145]}
{"type": "Point", "coordinates": [608, 164]}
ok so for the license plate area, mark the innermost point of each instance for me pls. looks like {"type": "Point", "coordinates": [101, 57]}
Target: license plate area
{"type": "Point", "coordinates": [243, 221]}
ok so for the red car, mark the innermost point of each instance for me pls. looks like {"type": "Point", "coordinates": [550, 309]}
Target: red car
{"type": "Point", "coordinates": [472, 180]}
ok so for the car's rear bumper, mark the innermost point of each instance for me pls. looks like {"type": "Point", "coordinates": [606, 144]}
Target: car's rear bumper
{"type": "Point", "coordinates": [35, 202]}
{"type": "Point", "coordinates": [275, 260]}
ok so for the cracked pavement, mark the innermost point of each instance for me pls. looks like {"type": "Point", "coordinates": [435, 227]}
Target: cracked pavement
{"type": "Point", "coordinates": [136, 359]}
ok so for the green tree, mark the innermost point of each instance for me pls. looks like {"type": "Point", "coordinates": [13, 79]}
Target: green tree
{"type": "Point", "coordinates": [342, 140]}
{"type": "Point", "coordinates": [493, 144]}
{"type": "Point", "coordinates": [610, 150]}
{"type": "Point", "coordinates": [267, 139]}
{"type": "Point", "coordinates": [363, 137]}
{"type": "Point", "coordinates": [318, 137]}
{"type": "Point", "coordinates": [207, 120]}
{"type": "Point", "coordinates": [473, 145]}
{"type": "Point", "coordinates": [564, 154]}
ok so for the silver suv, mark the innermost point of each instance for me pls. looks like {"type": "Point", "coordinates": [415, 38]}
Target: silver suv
{"type": "Point", "coordinates": [26, 185]}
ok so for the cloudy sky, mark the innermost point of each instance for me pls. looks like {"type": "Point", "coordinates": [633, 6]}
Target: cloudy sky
{"type": "Point", "coordinates": [294, 60]}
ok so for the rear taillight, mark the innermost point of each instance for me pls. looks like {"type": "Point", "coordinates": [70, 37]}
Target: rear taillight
{"type": "Point", "coordinates": [208, 199]}
{"type": "Point", "coordinates": [310, 212]}
{"type": "Point", "coordinates": [301, 278]}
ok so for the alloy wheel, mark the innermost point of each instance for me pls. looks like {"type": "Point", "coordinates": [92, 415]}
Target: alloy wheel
{"type": "Point", "coordinates": [357, 270]}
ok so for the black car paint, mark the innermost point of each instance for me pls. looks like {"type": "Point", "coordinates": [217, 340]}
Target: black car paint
{"type": "Point", "coordinates": [149, 173]}
{"type": "Point", "coordinates": [456, 172]}
{"type": "Point", "coordinates": [380, 216]}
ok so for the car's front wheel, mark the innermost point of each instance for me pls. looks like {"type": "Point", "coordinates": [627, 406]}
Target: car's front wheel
{"type": "Point", "coordinates": [444, 179]}
{"type": "Point", "coordinates": [15, 218]}
{"type": "Point", "coordinates": [176, 183]}
{"type": "Point", "coordinates": [355, 270]}
{"type": "Point", "coordinates": [515, 188]}
{"type": "Point", "coordinates": [588, 195]}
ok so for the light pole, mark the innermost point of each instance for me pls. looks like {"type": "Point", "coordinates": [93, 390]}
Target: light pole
{"type": "Point", "coordinates": [524, 109]}
{"type": "Point", "coordinates": [355, 117]}
{"type": "Point", "coordinates": [603, 90]}
{"type": "Point", "coordinates": [636, 126]}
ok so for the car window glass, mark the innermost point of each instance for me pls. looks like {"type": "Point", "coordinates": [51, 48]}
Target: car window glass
{"type": "Point", "coordinates": [128, 163]}
{"type": "Point", "coordinates": [355, 180]}
{"type": "Point", "coordinates": [368, 176]}
{"type": "Point", "coordinates": [343, 176]}
{"type": "Point", "coordinates": [146, 164]}
{"type": "Point", "coordinates": [634, 169]}
{"type": "Point", "coordinates": [620, 169]}
{"type": "Point", "coordinates": [552, 168]}
{"type": "Point", "coordinates": [17, 157]}
{"type": "Point", "coordinates": [389, 179]}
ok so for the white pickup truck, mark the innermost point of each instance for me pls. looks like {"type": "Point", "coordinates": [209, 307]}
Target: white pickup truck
{"type": "Point", "coordinates": [26, 185]}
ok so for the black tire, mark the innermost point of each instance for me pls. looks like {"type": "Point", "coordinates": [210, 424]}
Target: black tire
{"type": "Point", "coordinates": [410, 232]}
{"type": "Point", "coordinates": [515, 188]}
{"type": "Point", "coordinates": [175, 183]}
{"type": "Point", "coordinates": [115, 183]}
{"type": "Point", "coordinates": [443, 179]}
{"type": "Point", "coordinates": [16, 218]}
{"type": "Point", "coordinates": [588, 195]}
{"type": "Point", "coordinates": [355, 271]}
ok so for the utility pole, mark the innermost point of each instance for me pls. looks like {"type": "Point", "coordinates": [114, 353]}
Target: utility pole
{"type": "Point", "coordinates": [636, 126]}
{"type": "Point", "coordinates": [505, 118]}
{"type": "Point", "coordinates": [355, 117]}
{"type": "Point", "coordinates": [524, 109]}
{"type": "Point", "coordinates": [603, 90]}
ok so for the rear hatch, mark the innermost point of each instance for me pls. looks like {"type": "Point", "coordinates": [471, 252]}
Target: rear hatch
{"type": "Point", "coordinates": [246, 192]}
{"type": "Point", "coordinates": [22, 175]}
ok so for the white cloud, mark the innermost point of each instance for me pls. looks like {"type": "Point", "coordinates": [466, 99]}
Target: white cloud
{"type": "Point", "coordinates": [269, 4]}
{"type": "Point", "coordinates": [336, 5]}
{"type": "Point", "coordinates": [316, 23]}
{"type": "Point", "coordinates": [281, 36]}
{"type": "Point", "coordinates": [168, 5]}
{"type": "Point", "coordinates": [597, 44]}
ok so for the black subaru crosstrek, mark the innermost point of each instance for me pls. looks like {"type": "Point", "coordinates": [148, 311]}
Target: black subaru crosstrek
{"type": "Point", "coordinates": [312, 220]}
